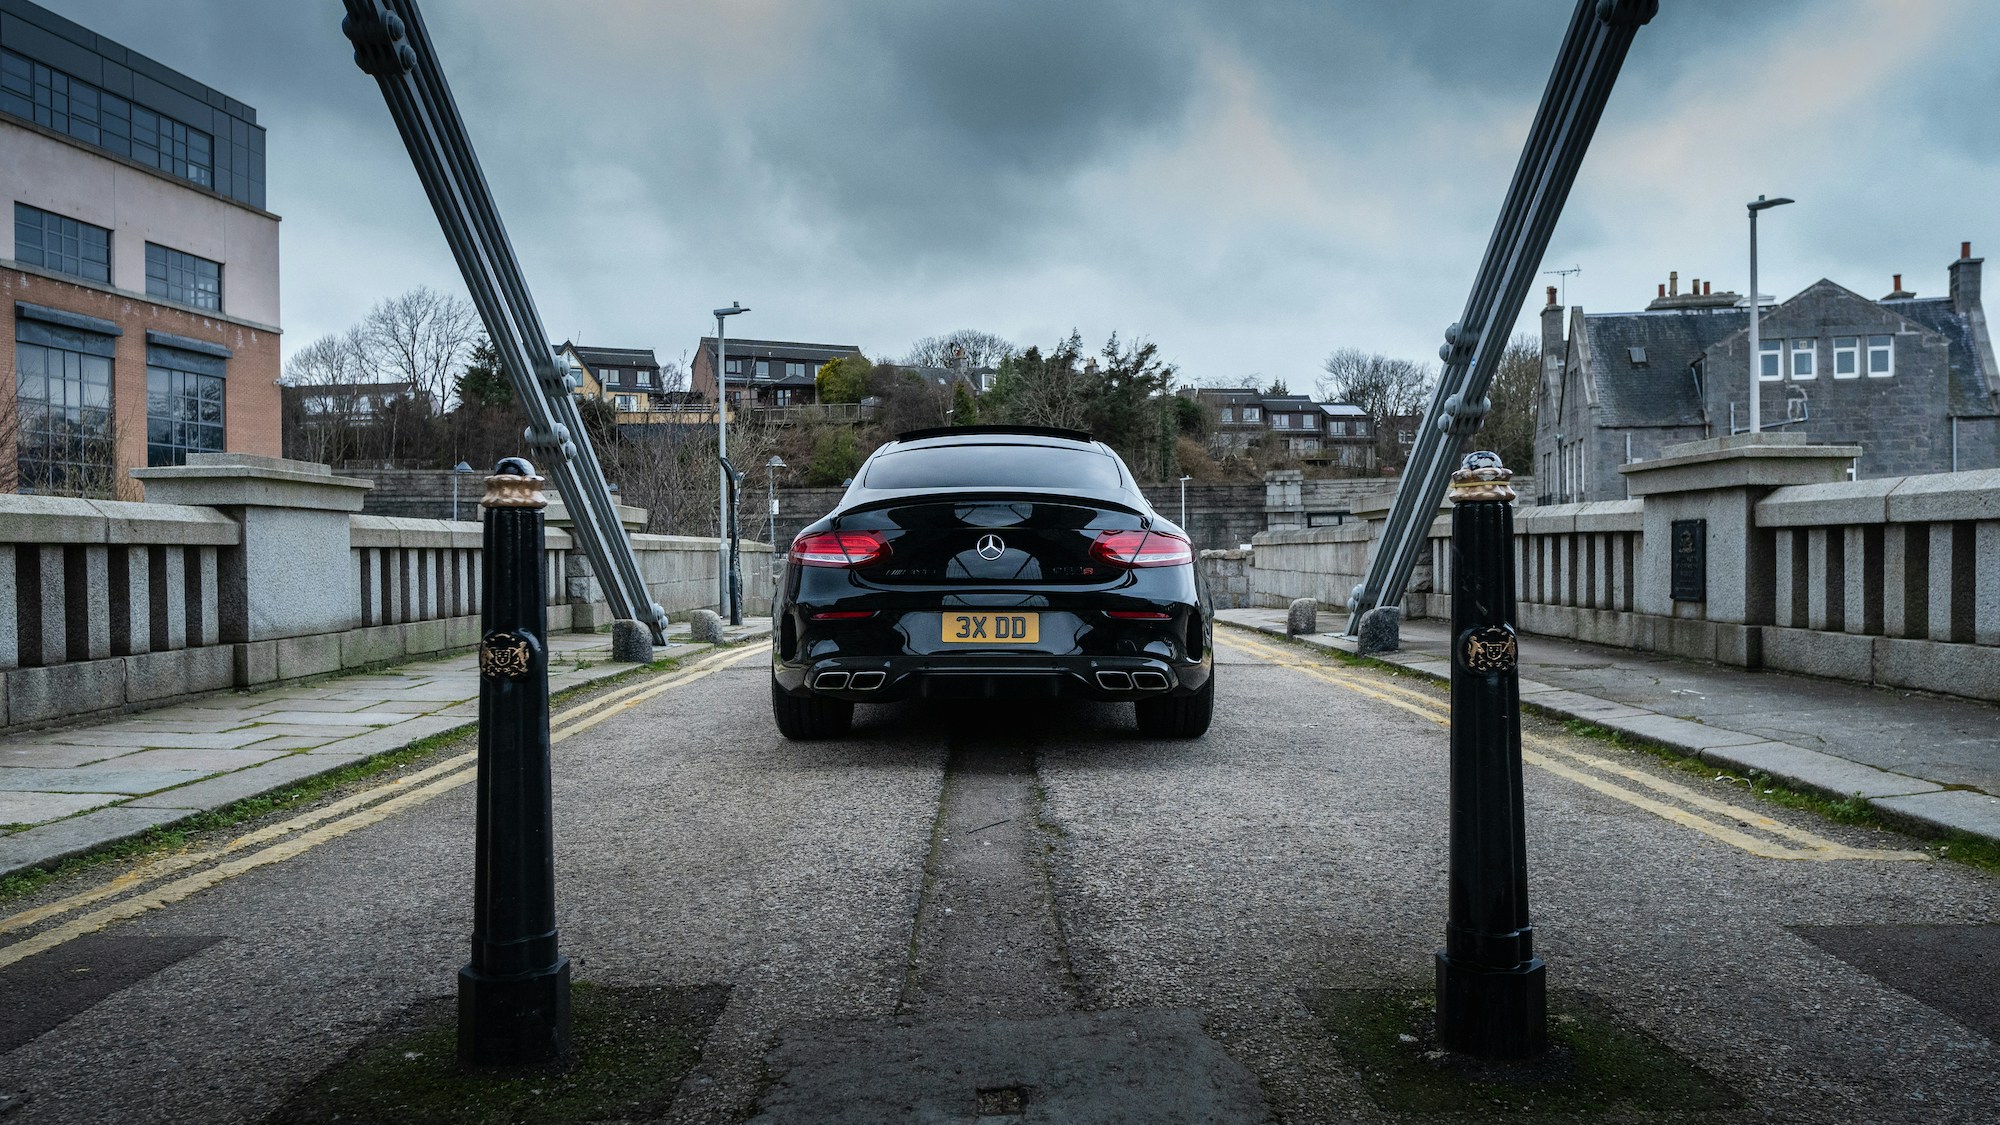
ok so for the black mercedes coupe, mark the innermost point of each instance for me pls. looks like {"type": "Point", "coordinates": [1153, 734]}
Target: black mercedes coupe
{"type": "Point", "coordinates": [992, 562]}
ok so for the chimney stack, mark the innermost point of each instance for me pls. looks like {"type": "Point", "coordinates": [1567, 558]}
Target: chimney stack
{"type": "Point", "coordinates": [1663, 290]}
{"type": "Point", "coordinates": [1673, 283]}
{"type": "Point", "coordinates": [1552, 296]}
{"type": "Point", "coordinates": [1707, 290]}
{"type": "Point", "coordinates": [1965, 281]}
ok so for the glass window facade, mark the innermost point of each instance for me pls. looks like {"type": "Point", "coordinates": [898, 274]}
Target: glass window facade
{"type": "Point", "coordinates": [55, 242]}
{"type": "Point", "coordinates": [183, 278]}
{"type": "Point", "coordinates": [62, 393]}
{"type": "Point", "coordinates": [54, 100]}
{"type": "Point", "coordinates": [184, 404]}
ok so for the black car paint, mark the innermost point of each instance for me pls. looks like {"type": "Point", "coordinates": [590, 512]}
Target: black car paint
{"type": "Point", "coordinates": [939, 570]}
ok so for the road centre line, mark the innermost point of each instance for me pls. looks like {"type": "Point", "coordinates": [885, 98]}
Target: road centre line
{"type": "Point", "coordinates": [334, 820]}
{"type": "Point", "coordinates": [1815, 847]}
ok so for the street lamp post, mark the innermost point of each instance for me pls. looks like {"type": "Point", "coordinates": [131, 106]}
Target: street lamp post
{"type": "Point", "coordinates": [723, 559]}
{"type": "Point", "coordinates": [1756, 345]}
{"type": "Point", "coordinates": [771, 468]}
{"type": "Point", "coordinates": [1184, 481]}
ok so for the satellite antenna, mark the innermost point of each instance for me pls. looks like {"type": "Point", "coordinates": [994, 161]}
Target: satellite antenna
{"type": "Point", "coordinates": [1562, 296]}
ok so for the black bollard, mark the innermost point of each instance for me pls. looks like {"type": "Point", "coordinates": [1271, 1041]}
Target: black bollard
{"type": "Point", "coordinates": [1491, 988]}
{"type": "Point", "coordinates": [513, 997]}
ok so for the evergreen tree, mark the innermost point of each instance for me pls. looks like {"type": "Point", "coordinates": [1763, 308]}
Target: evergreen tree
{"type": "Point", "coordinates": [484, 382]}
{"type": "Point", "coordinates": [964, 411]}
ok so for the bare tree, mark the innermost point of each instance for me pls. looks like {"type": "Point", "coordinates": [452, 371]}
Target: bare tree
{"type": "Point", "coordinates": [1389, 389]}
{"type": "Point", "coordinates": [421, 338]}
{"type": "Point", "coordinates": [325, 383]}
{"type": "Point", "coordinates": [1382, 385]}
{"type": "Point", "coordinates": [967, 347]}
{"type": "Point", "coordinates": [1050, 390]}
{"type": "Point", "coordinates": [10, 437]}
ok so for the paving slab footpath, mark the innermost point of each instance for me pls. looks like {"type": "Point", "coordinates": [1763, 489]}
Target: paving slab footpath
{"type": "Point", "coordinates": [70, 790]}
{"type": "Point", "coordinates": [1930, 762]}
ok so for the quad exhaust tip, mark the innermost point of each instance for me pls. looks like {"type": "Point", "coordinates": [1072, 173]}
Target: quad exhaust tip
{"type": "Point", "coordinates": [867, 681]}
{"type": "Point", "coordinates": [1114, 681]}
{"type": "Point", "coordinates": [1149, 681]}
{"type": "Point", "coordinates": [830, 681]}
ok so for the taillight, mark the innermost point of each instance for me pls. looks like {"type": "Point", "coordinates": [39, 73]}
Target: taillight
{"type": "Point", "coordinates": [1137, 615]}
{"type": "Point", "coordinates": [844, 615]}
{"type": "Point", "coordinates": [1141, 548]}
{"type": "Point", "coordinates": [840, 548]}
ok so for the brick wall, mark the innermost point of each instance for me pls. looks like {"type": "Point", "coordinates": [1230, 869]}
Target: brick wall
{"type": "Point", "coordinates": [250, 404]}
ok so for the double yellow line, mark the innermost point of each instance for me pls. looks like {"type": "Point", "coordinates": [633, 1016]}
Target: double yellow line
{"type": "Point", "coordinates": [1745, 828]}
{"type": "Point", "coordinates": [276, 843]}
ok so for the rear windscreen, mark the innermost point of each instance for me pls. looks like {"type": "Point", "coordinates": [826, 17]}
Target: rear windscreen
{"type": "Point", "coordinates": [994, 466]}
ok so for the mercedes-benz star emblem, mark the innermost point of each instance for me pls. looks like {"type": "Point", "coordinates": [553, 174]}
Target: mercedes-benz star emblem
{"type": "Point", "coordinates": [991, 547]}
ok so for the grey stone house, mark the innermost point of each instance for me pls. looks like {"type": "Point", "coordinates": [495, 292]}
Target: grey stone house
{"type": "Point", "coordinates": [1910, 379]}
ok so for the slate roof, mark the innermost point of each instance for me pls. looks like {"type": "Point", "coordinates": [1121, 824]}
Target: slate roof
{"type": "Point", "coordinates": [780, 349]}
{"type": "Point", "coordinates": [595, 358]}
{"type": "Point", "coordinates": [1661, 391]}
{"type": "Point", "coordinates": [1971, 387]}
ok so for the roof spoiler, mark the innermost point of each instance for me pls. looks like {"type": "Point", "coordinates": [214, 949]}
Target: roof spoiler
{"type": "Point", "coordinates": [1024, 431]}
{"type": "Point", "coordinates": [995, 495]}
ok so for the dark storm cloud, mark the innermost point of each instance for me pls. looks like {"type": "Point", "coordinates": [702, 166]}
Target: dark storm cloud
{"type": "Point", "coordinates": [953, 129]}
{"type": "Point", "coordinates": [1250, 182]}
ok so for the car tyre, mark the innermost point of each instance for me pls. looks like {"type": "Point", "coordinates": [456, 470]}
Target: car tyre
{"type": "Point", "coordinates": [810, 717]}
{"type": "Point", "coordinates": [1177, 716]}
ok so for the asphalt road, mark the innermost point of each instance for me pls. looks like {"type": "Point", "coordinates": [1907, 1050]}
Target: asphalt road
{"type": "Point", "coordinates": [1033, 899]}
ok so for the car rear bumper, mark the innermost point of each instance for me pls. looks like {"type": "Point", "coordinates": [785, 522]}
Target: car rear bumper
{"type": "Point", "coordinates": [997, 676]}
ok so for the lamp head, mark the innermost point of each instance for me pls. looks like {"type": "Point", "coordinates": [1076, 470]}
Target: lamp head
{"type": "Point", "coordinates": [734, 308]}
{"type": "Point", "coordinates": [1762, 204]}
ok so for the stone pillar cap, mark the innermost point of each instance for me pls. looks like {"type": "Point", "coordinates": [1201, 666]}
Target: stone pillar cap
{"type": "Point", "coordinates": [248, 480]}
{"type": "Point", "coordinates": [1762, 460]}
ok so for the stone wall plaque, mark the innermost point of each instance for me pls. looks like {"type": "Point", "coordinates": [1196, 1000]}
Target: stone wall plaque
{"type": "Point", "coordinates": [1689, 580]}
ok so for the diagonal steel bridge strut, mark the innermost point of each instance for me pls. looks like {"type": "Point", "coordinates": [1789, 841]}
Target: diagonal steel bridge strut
{"type": "Point", "coordinates": [1600, 33]}
{"type": "Point", "coordinates": [391, 44]}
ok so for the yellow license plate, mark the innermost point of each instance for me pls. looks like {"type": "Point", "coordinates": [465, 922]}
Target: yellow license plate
{"type": "Point", "coordinates": [992, 628]}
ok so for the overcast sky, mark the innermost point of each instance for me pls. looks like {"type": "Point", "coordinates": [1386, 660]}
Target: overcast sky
{"type": "Point", "coordinates": [1248, 183]}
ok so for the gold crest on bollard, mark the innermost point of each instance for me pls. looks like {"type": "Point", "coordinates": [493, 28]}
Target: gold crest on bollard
{"type": "Point", "coordinates": [504, 656]}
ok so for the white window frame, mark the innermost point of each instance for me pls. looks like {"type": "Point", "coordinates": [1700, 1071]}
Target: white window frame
{"type": "Point", "coordinates": [1888, 349]}
{"type": "Point", "coordinates": [763, 369]}
{"type": "Point", "coordinates": [1252, 414]}
{"type": "Point", "coordinates": [1281, 421]}
{"type": "Point", "coordinates": [732, 366]}
{"type": "Point", "coordinates": [794, 370]}
{"type": "Point", "coordinates": [1773, 349]}
{"type": "Point", "coordinates": [1337, 427]}
{"type": "Point", "coordinates": [1807, 350]}
{"type": "Point", "coordinates": [624, 404]}
{"type": "Point", "coordinates": [1229, 415]}
{"type": "Point", "coordinates": [1309, 421]}
{"type": "Point", "coordinates": [645, 376]}
{"type": "Point", "coordinates": [1849, 351]}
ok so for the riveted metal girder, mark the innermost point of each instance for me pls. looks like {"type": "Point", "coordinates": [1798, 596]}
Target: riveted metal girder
{"type": "Point", "coordinates": [391, 44]}
{"type": "Point", "coordinates": [1600, 33]}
